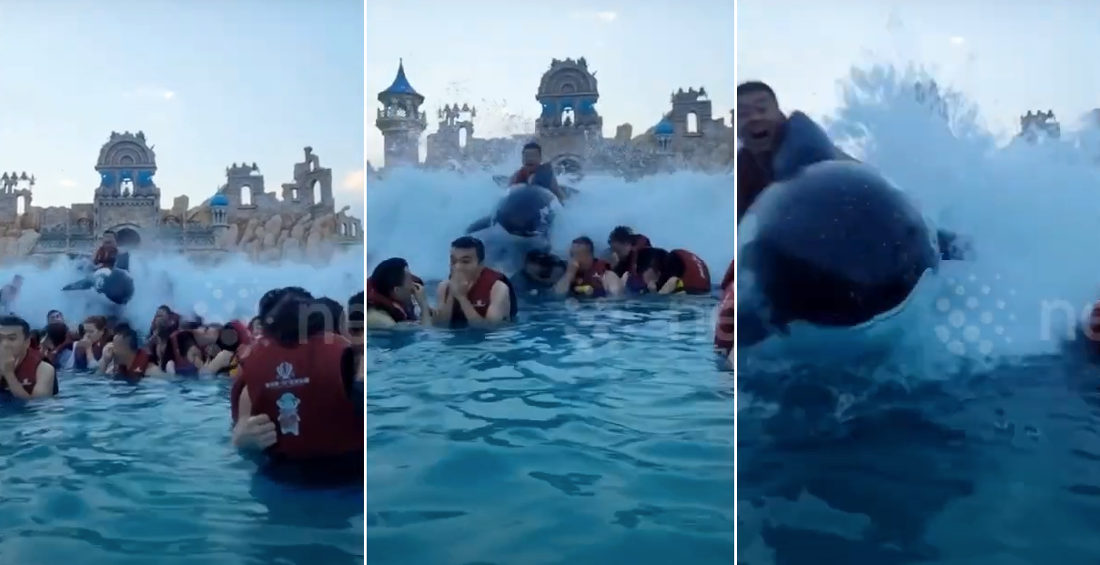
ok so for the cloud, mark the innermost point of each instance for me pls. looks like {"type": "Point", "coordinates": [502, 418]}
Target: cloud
{"type": "Point", "coordinates": [355, 181]}
{"type": "Point", "coordinates": [603, 16]}
{"type": "Point", "coordinates": [957, 40]}
{"type": "Point", "coordinates": [151, 93]}
{"type": "Point", "coordinates": [67, 183]}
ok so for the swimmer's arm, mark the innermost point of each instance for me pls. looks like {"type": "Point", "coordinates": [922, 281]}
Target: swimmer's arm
{"type": "Point", "coordinates": [561, 288]}
{"type": "Point", "coordinates": [500, 303]}
{"type": "Point", "coordinates": [153, 370]}
{"type": "Point", "coordinates": [376, 319]}
{"type": "Point", "coordinates": [612, 283]}
{"type": "Point", "coordinates": [105, 359]}
{"type": "Point", "coordinates": [219, 362]}
{"type": "Point", "coordinates": [45, 376]}
{"type": "Point", "coordinates": [170, 368]}
{"type": "Point", "coordinates": [669, 286]}
{"type": "Point", "coordinates": [446, 305]}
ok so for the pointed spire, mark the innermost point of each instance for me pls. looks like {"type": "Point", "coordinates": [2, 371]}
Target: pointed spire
{"type": "Point", "coordinates": [400, 84]}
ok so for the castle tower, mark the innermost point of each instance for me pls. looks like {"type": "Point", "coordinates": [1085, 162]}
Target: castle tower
{"type": "Point", "coordinates": [663, 133]}
{"type": "Point", "coordinates": [244, 185]}
{"type": "Point", "coordinates": [451, 140]}
{"type": "Point", "coordinates": [690, 111]}
{"type": "Point", "coordinates": [127, 199]}
{"type": "Point", "coordinates": [14, 186]}
{"type": "Point", "coordinates": [312, 186]}
{"type": "Point", "coordinates": [219, 212]}
{"type": "Point", "coordinates": [568, 95]}
{"type": "Point", "coordinates": [401, 121]}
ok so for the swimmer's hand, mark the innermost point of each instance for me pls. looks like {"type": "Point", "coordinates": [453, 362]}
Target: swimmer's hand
{"type": "Point", "coordinates": [459, 285]}
{"type": "Point", "coordinates": [419, 296]}
{"type": "Point", "coordinates": [257, 432]}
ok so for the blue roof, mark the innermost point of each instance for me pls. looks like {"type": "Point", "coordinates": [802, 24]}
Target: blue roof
{"type": "Point", "coordinates": [664, 127]}
{"type": "Point", "coordinates": [219, 199]}
{"type": "Point", "coordinates": [400, 83]}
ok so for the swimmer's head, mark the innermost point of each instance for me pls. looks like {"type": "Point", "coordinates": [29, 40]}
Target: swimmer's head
{"type": "Point", "coordinates": [467, 255]}
{"type": "Point", "coordinates": [15, 335]}
{"type": "Point", "coordinates": [583, 251]}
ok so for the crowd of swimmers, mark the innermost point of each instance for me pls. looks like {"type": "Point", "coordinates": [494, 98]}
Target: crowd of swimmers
{"type": "Point", "coordinates": [477, 295]}
{"type": "Point", "coordinates": [296, 369]}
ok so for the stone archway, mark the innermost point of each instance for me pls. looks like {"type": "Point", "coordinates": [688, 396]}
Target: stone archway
{"type": "Point", "coordinates": [128, 238]}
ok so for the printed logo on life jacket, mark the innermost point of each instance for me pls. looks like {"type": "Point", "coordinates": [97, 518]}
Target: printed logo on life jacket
{"type": "Point", "coordinates": [289, 419]}
{"type": "Point", "coordinates": [285, 377]}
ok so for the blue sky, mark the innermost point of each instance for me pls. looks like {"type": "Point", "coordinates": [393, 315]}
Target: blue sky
{"type": "Point", "coordinates": [492, 53]}
{"type": "Point", "coordinates": [1008, 57]}
{"type": "Point", "coordinates": [209, 82]}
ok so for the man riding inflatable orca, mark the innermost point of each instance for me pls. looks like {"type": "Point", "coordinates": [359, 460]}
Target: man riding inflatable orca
{"type": "Point", "coordinates": [111, 276]}
{"type": "Point", "coordinates": [528, 208]}
{"type": "Point", "coordinates": [830, 242]}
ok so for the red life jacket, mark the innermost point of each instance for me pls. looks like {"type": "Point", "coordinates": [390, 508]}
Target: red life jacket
{"type": "Point", "coordinates": [592, 277]}
{"type": "Point", "coordinates": [731, 274]}
{"type": "Point", "coordinates": [726, 323]}
{"type": "Point", "coordinates": [27, 370]}
{"type": "Point", "coordinates": [386, 304]}
{"type": "Point", "coordinates": [301, 389]}
{"type": "Point", "coordinates": [479, 295]}
{"type": "Point", "coordinates": [696, 276]}
{"type": "Point", "coordinates": [105, 256]}
{"type": "Point", "coordinates": [523, 174]}
{"type": "Point", "coordinates": [136, 368]}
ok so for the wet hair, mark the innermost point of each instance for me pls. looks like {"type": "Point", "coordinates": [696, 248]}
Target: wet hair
{"type": "Point", "coordinates": [52, 312]}
{"type": "Point", "coordinates": [183, 343]}
{"type": "Point", "coordinates": [542, 258]}
{"type": "Point", "coordinates": [533, 145]}
{"type": "Point", "coordinates": [587, 242]}
{"type": "Point", "coordinates": [166, 308]}
{"type": "Point", "coordinates": [58, 332]}
{"type": "Point", "coordinates": [652, 257]}
{"type": "Point", "coordinates": [470, 242]}
{"type": "Point", "coordinates": [754, 86]}
{"type": "Point", "coordinates": [13, 321]}
{"type": "Point", "coordinates": [355, 314]}
{"type": "Point", "coordinates": [280, 312]}
{"type": "Point", "coordinates": [621, 234]}
{"type": "Point", "coordinates": [128, 335]}
{"type": "Point", "coordinates": [99, 322]}
{"type": "Point", "coordinates": [228, 338]}
{"type": "Point", "coordinates": [109, 232]}
{"type": "Point", "coordinates": [388, 275]}
{"type": "Point", "coordinates": [327, 314]}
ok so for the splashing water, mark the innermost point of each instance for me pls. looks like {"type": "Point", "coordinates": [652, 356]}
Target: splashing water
{"type": "Point", "coordinates": [227, 291]}
{"type": "Point", "coordinates": [1029, 210]}
{"type": "Point", "coordinates": [416, 214]}
{"type": "Point", "coordinates": [987, 430]}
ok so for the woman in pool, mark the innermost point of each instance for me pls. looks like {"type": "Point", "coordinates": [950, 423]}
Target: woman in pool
{"type": "Point", "coordinates": [669, 272]}
{"type": "Point", "coordinates": [89, 349]}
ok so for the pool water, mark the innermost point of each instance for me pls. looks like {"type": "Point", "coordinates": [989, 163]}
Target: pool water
{"type": "Point", "coordinates": [590, 433]}
{"type": "Point", "coordinates": [996, 467]}
{"type": "Point", "coordinates": [117, 473]}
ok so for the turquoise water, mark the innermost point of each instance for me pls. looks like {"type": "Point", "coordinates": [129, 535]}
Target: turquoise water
{"type": "Point", "coordinates": [596, 433]}
{"type": "Point", "coordinates": [115, 473]}
{"type": "Point", "coordinates": [993, 467]}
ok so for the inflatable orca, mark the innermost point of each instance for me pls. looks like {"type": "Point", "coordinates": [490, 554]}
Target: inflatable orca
{"type": "Point", "coordinates": [525, 211]}
{"type": "Point", "coordinates": [114, 284]}
{"type": "Point", "coordinates": [831, 242]}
